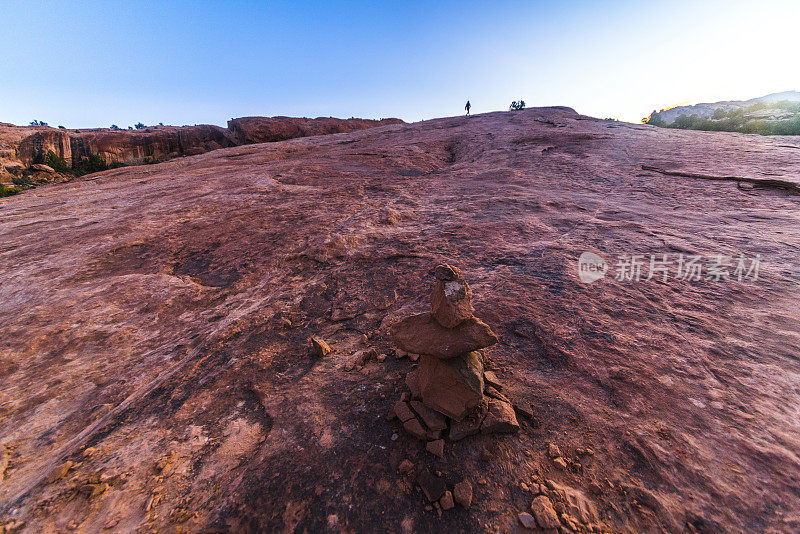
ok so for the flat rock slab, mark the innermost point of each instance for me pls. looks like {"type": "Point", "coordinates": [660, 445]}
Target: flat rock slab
{"type": "Point", "coordinates": [422, 334]}
{"type": "Point", "coordinates": [432, 419]}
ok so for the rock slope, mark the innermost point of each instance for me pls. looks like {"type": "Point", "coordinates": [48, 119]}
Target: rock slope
{"type": "Point", "coordinates": [23, 146]}
{"type": "Point", "coordinates": [156, 370]}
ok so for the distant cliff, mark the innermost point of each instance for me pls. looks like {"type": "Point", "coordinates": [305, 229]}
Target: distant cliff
{"type": "Point", "coordinates": [773, 114]}
{"type": "Point", "coordinates": [63, 150]}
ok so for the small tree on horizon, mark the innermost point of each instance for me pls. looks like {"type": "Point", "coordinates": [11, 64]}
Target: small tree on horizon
{"type": "Point", "coordinates": [517, 105]}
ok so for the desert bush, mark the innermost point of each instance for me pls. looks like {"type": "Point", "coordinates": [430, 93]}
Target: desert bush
{"type": "Point", "coordinates": [92, 163]}
{"type": "Point", "coordinates": [517, 105]}
{"type": "Point", "coordinates": [6, 191]}
{"type": "Point", "coordinates": [139, 125]}
{"type": "Point", "coordinates": [55, 161]}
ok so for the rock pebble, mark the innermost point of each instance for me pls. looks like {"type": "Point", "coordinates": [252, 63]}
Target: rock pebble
{"type": "Point", "coordinates": [436, 448]}
{"type": "Point", "coordinates": [543, 511]}
{"type": "Point", "coordinates": [446, 502]}
{"type": "Point", "coordinates": [320, 347]}
{"type": "Point", "coordinates": [462, 493]}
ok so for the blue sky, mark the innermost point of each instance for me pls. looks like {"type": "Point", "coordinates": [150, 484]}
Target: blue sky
{"type": "Point", "coordinates": [83, 63]}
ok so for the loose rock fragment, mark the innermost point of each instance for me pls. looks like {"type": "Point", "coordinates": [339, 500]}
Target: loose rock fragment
{"type": "Point", "coordinates": [490, 378]}
{"type": "Point", "coordinates": [403, 411]}
{"type": "Point", "coordinates": [553, 450]}
{"type": "Point", "coordinates": [432, 419]}
{"type": "Point", "coordinates": [543, 511]}
{"type": "Point", "coordinates": [405, 466]}
{"type": "Point", "coordinates": [462, 493]}
{"type": "Point", "coordinates": [560, 463]}
{"type": "Point", "coordinates": [470, 426]}
{"type": "Point", "coordinates": [527, 520]}
{"type": "Point", "coordinates": [432, 486]}
{"type": "Point", "coordinates": [415, 428]}
{"type": "Point", "coordinates": [500, 418]}
{"type": "Point", "coordinates": [436, 448]}
{"type": "Point", "coordinates": [446, 502]}
{"type": "Point", "coordinates": [319, 346]}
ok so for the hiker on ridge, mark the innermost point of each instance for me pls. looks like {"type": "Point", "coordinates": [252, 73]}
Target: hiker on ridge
{"type": "Point", "coordinates": [467, 107]}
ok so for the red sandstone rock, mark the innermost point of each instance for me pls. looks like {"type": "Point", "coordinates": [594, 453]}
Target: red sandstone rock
{"type": "Point", "coordinates": [462, 492]}
{"type": "Point", "coordinates": [500, 418]}
{"type": "Point", "coordinates": [432, 486]}
{"type": "Point", "coordinates": [319, 346]}
{"type": "Point", "coordinates": [543, 511]}
{"type": "Point", "coordinates": [432, 419]}
{"type": "Point", "coordinates": [136, 309]}
{"type": "Point", "coordinates": [451, 297]}
{"type": "Point", "coordinates": [446, 502]}
{"type": "Point", "coordinates": [422, 334]}
{"type": "Point", "coordinates": [453, 387]}
{"type": "Point", "coordinates": [403, 411]}
{"type": "Point", "coordinates": [436, 448]}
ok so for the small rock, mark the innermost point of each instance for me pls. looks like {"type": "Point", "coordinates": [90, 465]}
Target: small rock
{"type": "Point", "coordinates": [470, 426]}
{"type": "Point", "coordinates": [490, 378]}
{"type": "Point", "coordinates": [491, 391]}
{"type": "Point", "coordinates": [433, 419]}
{"type": "Point", "coordinates": [405, 466]}
{"type": "Point", "coordinates": [381, 357]}
{"type": "Point", "coordinates": [462, 493]}
{"type": "Point", "coordinates": [400, 353]}
{"type": "Point", "coordinates": [500, 418]}
{"type": "Point", "coordinates": [321, 348]}
{"type": "Point", "coordinates": [524, 409]}
{"type": "Point", "coordinates": [436, 448]}
{"type": "Point", "coordinates": [524, 487]}
{"type": "Point", "coordinates": [59, 472]}
{"type": "Point", "coordinates": [560, 463]}
{"type": "Point", "coordinates": [412, 381]}
{"type": "Point", "coordinates": [413, 357]}
{"type": "Point", "coordinates": [446, 501]}
{"type": "Point", "coordinates": [527, 520]}
{"type": "Point", "coordinates": [403, 411]}
{"type": "Point", "coordinates": [451, 300]}
{"type": "Point", "coordinates": [553, 450]}
{"type": "Point", "coordinates": [543, 511]}
{"type": "Point", "coordinates": [414, 427]}
{"type": "Point", "coordinates": [432, 486]}
{"type": "Point", "coordinates": [590, 451]}
{"type": "Point", "coordinates": [405, 397]}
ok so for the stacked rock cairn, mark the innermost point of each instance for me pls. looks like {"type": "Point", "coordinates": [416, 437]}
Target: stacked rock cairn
{"type": "Point", "coordinates": [451, 395]}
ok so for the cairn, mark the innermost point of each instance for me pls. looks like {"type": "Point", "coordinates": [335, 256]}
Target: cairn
{"type": "Point", "coordinates": [451, 393]}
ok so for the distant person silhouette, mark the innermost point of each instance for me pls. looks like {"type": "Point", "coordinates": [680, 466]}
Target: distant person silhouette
{"type": "Point", "coordinates": [467, 107]}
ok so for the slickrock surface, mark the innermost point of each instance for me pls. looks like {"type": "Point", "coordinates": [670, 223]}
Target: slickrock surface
{"type": "Point", "coordinates": [154, 327]}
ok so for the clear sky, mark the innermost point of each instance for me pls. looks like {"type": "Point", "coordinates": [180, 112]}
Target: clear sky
{"type": "Point", "coordinates": [84, 63]}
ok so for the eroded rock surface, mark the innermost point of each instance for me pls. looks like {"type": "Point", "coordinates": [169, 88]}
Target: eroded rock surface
{"type": "Point", "coordinates": [144, 332]}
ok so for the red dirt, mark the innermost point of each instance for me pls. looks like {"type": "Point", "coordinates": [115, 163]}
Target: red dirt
{"type": "Point", "coordinates": [155, 327]}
